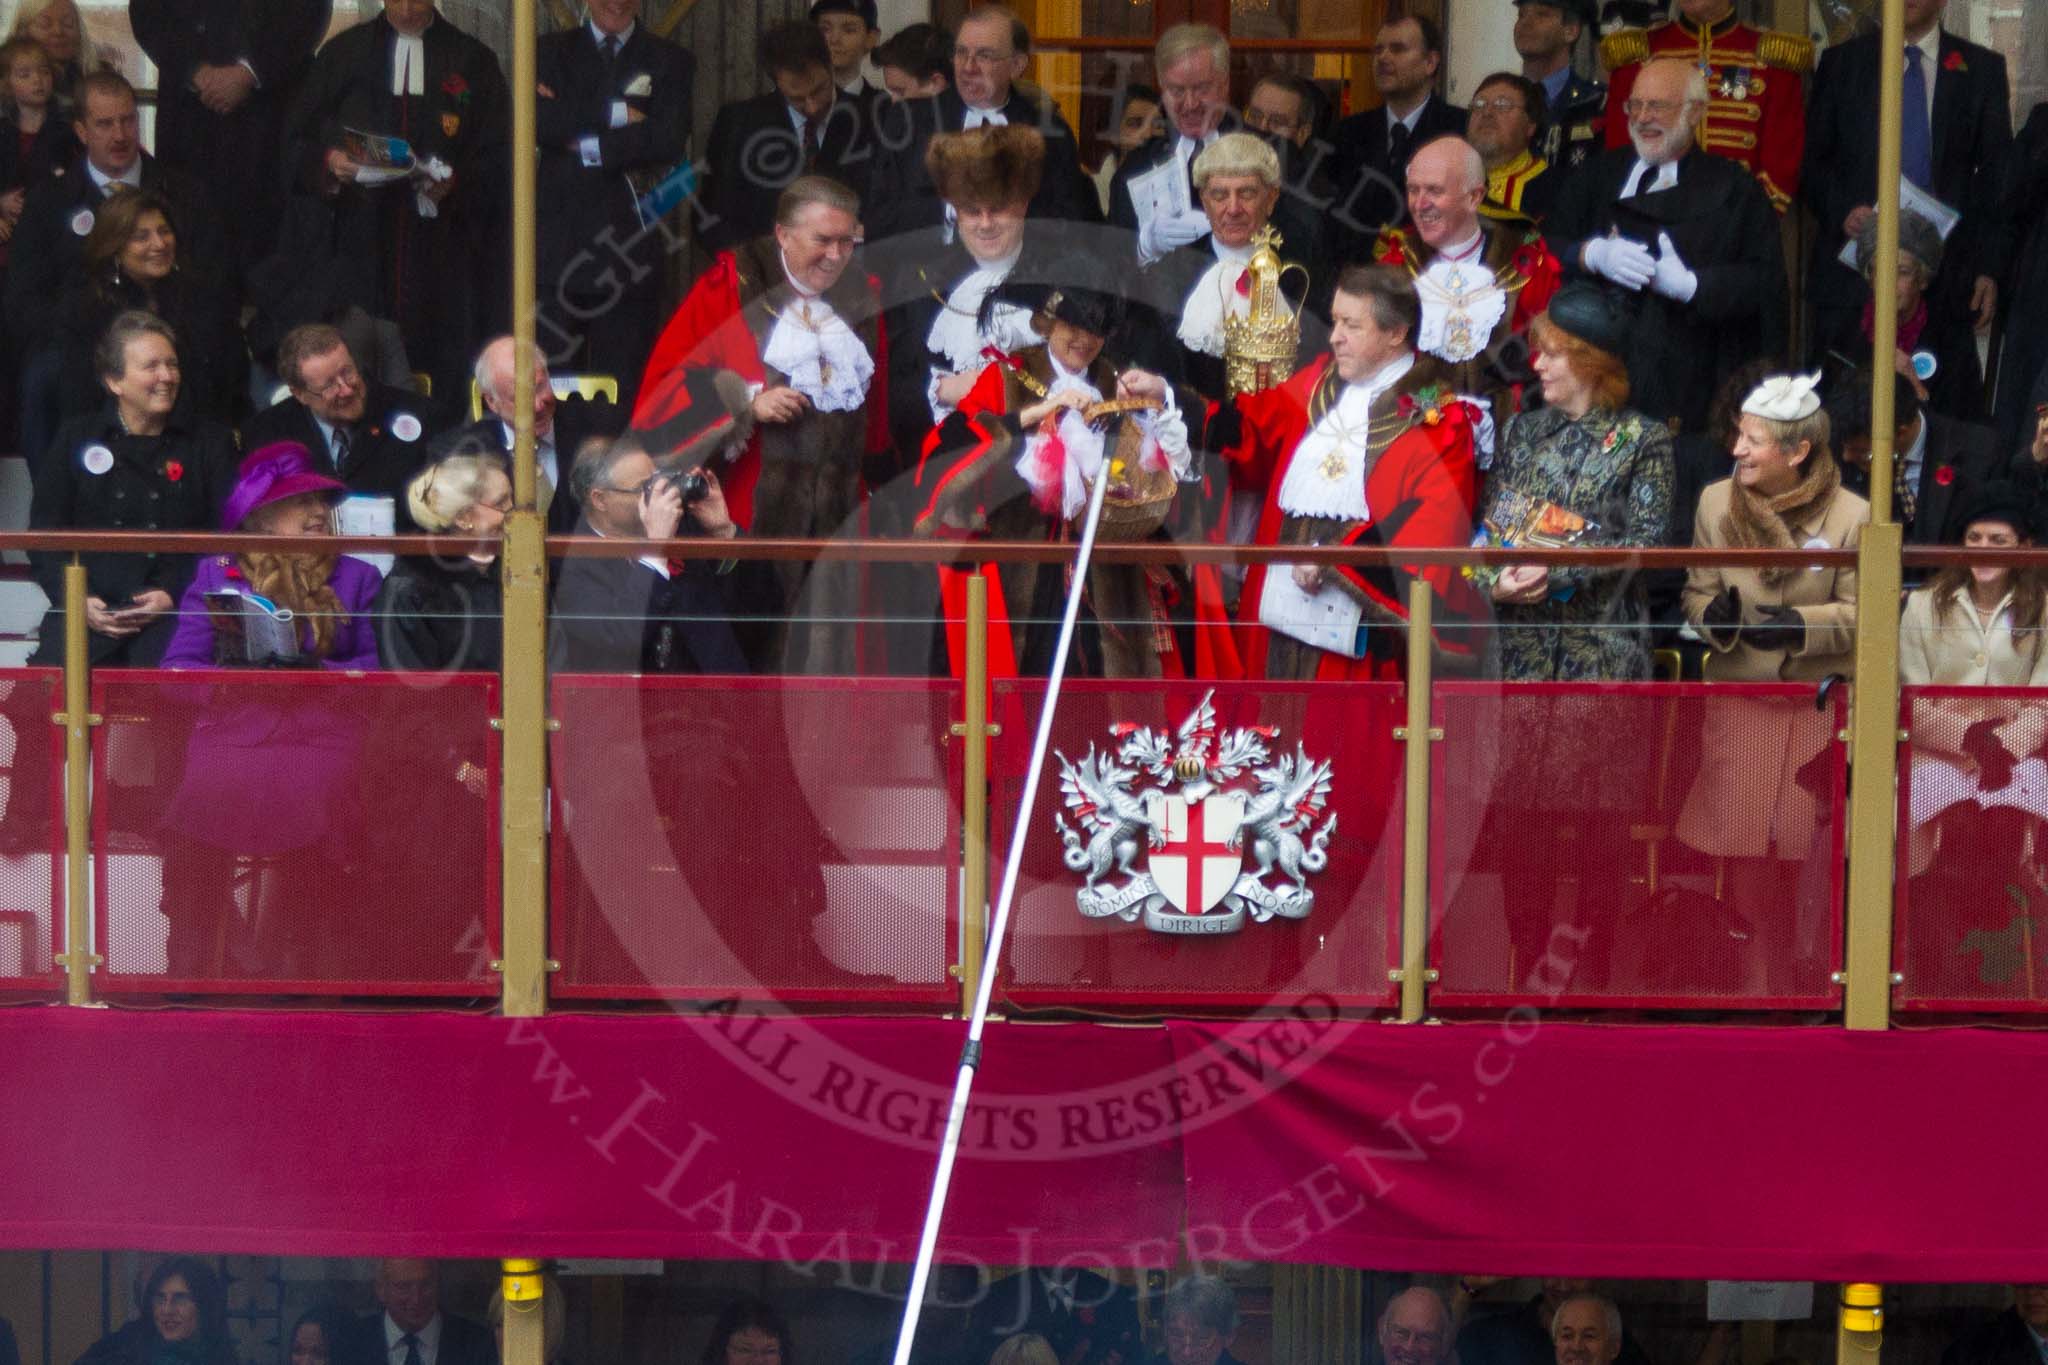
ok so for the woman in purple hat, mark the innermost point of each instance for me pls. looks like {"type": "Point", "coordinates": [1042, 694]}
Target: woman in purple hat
{"type": "Point", "coordinates": [271, 806]}
{"type": "Point", "coordinates": [278, 493]}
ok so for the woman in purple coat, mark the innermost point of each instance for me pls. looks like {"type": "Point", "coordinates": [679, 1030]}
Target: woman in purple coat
{"type": "Point", "coordinates": [269, 817]}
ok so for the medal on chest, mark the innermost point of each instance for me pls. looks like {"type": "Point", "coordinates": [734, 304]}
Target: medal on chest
{"type": "Point", "coordinates": [1462, 302]}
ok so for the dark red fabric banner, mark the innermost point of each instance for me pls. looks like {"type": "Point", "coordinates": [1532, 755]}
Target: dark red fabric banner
{"type": "Point", "coordinates": [1517, 1147]}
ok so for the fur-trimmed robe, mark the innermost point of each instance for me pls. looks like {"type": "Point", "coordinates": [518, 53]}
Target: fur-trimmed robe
{"type": "Point", "coordinates": [799, 479]}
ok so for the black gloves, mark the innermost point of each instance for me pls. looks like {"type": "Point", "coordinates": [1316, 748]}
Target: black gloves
{"type": "Point", "coordinates": [1777, 628]}
{"type": "Point", "coordinates": [1721, 621]}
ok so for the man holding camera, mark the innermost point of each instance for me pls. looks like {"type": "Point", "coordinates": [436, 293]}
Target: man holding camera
{"type": "Point", "coordinates": [653, 614]}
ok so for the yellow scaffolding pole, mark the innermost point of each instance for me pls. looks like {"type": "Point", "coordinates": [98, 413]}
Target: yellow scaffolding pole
{"type": "Point", "coordinates": [1414, 974]}
{"type": "Point", "coordinates": [974, 732]}
{"type": "Point", "coordinates": [524, 563]}
{"type": "Point", "coordinates": [78, 958]}
{"type": "Point", "coordinates": [524, 1288]}
{"type": "Point", "coordinates": [1874, 716]}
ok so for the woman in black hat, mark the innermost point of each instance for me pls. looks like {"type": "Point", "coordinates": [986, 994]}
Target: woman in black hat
{"type": "Point", "coordinates": [1590, 463]}
{"type": "Point", "coordinates": [1978, 783]}
{"type": "Point", "coordinates": [1017, 460]}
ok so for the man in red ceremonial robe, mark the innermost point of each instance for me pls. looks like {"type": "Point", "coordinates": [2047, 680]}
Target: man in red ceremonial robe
{"type": "Point", "coordinates": [1368, 446]}
{"type": "Point", "coordinates": [785, 316]}
{"type": "Point", "coordinates": [1480, 280]}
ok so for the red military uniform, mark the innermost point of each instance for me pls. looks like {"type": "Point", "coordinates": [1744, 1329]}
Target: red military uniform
{"type": "Point", "coordinates": [1756, 100]}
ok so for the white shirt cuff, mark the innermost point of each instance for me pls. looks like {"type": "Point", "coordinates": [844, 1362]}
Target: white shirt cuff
{"type": "Point", "coordinates": [659, 566]}
{"type": "Point", "coordinates": [243, 62]}
{"type": "Point", "coordinates": [586, 147]}
{"type": "Point", "coordinates": [619, 119]}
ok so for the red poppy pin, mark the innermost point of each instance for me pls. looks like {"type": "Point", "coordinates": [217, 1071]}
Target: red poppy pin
{"type": "Point", "coordinates": [233, 572]}
{"type": "Point", "coordinates": [1954, 62]}
{"type": "Point", "coordinates": [456, 88]}
{"type": "Point", "coordinates": [174, 470]}
{"type": "Point", "coordinates": [1945, 474]}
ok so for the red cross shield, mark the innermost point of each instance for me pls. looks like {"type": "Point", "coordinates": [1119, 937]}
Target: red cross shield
{"type": "Point", "coordinates": [1197, 868]}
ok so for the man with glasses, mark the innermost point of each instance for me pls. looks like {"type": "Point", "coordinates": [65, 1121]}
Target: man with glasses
{"type": "Point", "coordinates": [368, 435]}
{"type": "Point", "coordinates": [990, 53]}
{"type": "Point", "coordinates": [650, 615]}
{"type": "Point", "coordinates": [1755, 110]}
{"type": "Point", "coordinates": [1692, 235]}
{"type": "Point", "coordinates": [1506, 124]}
{"type": "Point", "coordinates": [1154, 193]}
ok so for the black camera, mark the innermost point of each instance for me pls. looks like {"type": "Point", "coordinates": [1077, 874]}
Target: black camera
{"type": "Point", "coordinates": [692, 484]}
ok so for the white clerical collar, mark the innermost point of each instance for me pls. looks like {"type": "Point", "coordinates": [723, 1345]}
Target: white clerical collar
{"type": "Point", "coordinates": [1465, 249]}
{"type": "Point", "coordinates": [599, 35]}
{"type": "Point", "coordinates": [1649, 179]}
{"type": "Point", "coordinates": [132, 177]}
{"type": "Point", "coordinates": [409, 65]}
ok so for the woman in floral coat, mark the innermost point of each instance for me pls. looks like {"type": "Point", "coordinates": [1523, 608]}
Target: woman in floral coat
{"type": "Point", "coordinates": [1584, 453]}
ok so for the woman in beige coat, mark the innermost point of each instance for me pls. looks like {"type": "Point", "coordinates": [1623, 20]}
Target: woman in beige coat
{"type": "Point", "coordinates": [1748, 808]}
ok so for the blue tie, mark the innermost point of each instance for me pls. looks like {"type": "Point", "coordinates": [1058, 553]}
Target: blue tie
{"type": "Point", "coordinates": [1916, 139]}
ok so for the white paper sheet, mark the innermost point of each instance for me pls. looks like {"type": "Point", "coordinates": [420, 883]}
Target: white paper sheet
{"type": "Point", "coordinates": [1327, 618]}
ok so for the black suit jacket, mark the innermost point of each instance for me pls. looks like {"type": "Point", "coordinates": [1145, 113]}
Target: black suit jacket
{"type": "Point", "coordinates": [2004, 1340]}
{"type": "Point", "coordinates": [48, 250]}
{"type": "Point", "coordinates": [619, 616]}
{"type": "Point", "coordinates": [1725, 230]}
{"type": "Point", "coordinates": [1972, 131]}
{"type": "Point", "coordinates": [902, 197]}
{"type": "Point", "coordinates": [381, 461]}
{"type": "Point", "coordinates": [754, 152]}
{"type": "Point", "coordinates": [576, 421]}
{"type": "Point", "coordinates": [462, 1343]}
{"type": "Point", "coordinates": [651, 76]}
{"type": "Point", "coordinates": [1371, 189]}
{"type": "Point", "coordinates": [1972, 451]}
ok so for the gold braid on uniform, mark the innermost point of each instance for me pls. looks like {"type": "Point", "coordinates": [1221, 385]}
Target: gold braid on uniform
{"type": "Point", "coordinates": [1786, 51]}
{"type": "Point", "coordinates": [1624, 47]}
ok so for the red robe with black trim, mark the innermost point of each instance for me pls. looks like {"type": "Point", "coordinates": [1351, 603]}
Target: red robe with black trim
{"type": "Point", "coordinates": [1422, 490]}
{"type": "Point", "coordinates": [713, 327]}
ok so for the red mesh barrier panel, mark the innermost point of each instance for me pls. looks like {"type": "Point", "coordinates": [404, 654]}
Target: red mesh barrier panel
{"type": "Point", "coordinates": [31, 828]}
{"type": "Point", "coordinates": [1972, 885]}
{"type": "Point", "coordinates": [715, 837]}
{"type": "Point", "coordinates": [1640, 845]}
{"type": "Point", "coordinates": [1341, 949]}
{"type": "Point", "coordinates": [298, 833]}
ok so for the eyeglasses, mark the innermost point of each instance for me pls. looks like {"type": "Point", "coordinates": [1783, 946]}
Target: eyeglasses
{"type": "Point", "coordinates": [345, 377]}
{"type": "Point", "coordinates": [1503, 105]}
{"type": "Point", "coordinates": [1657, 108]}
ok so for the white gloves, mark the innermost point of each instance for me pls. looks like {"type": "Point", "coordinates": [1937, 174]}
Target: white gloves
{"type": "Point", "coordinates": [1622, 259]}
{"type": "Point", "coordinates": [1158, 236]}
{"type": "Point", "coordinates": [1674, 279]}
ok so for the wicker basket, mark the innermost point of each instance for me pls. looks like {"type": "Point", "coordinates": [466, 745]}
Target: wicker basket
{"type": "Point", "coordinates": [1138, 498]}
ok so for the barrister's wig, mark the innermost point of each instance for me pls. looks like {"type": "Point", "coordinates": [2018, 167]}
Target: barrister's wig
{"type": "Point", "coordinates": [1236, 154]}
{"type": "Point", "coordinates": [986, 167]}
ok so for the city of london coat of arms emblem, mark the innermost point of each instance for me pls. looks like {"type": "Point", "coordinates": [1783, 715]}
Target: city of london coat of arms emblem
{"type": "Point", "coordinates": [1163, 826]}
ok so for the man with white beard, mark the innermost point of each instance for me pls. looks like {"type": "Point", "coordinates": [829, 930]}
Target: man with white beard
{"type": "Point", "coordinates": [1692, 235]}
